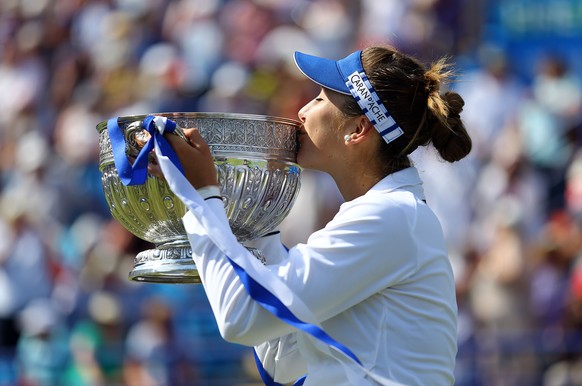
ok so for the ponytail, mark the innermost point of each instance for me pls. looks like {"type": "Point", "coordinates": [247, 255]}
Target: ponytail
{"type": "Point", "coordinates": [448, 133]}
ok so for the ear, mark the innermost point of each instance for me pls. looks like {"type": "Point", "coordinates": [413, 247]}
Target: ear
{"type": "Point", "coordinates": [363, 130]}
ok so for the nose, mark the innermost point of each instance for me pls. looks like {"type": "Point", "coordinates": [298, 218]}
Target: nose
{"type": "Point", "coordinates": [301, 113]}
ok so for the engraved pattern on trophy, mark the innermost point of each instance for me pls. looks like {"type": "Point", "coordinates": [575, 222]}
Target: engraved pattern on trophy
{"type": "Point", "coordinates": [255, 158]}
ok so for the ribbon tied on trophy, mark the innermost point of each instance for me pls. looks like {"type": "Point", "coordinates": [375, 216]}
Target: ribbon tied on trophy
{"type": "Point", "coordinates": [136, 173]}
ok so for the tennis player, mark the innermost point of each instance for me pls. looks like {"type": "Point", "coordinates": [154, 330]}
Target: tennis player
{"type": "Point", "coordinates": [370, 298]}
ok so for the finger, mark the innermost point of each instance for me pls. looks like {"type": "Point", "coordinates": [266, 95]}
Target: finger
{"type": "Point", "coordinates": [194, 136]}
{"type": "Point", "coordinates": [176, 141]}
{"type": "Point", "coordinates": [156, 171]}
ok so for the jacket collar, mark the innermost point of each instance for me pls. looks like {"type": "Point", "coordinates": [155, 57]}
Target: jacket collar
{"type": "Point", "coordinates": [406, 179]}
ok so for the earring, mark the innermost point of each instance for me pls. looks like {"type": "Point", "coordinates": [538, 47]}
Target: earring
{"type": "Point", "coordinates": [348, 138]}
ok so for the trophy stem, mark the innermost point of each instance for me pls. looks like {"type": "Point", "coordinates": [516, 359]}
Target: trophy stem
{"type": "Point", "coordinates": [172, 264]}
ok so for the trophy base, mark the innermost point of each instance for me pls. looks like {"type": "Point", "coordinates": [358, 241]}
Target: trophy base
{"type": "Point", "coordinates": [172, 265]}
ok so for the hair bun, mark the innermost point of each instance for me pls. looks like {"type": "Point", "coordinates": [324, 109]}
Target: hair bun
{"type": "Point", "coordinates": [449, 135]}
{"type": "Point", "coordinates": [455, 104]}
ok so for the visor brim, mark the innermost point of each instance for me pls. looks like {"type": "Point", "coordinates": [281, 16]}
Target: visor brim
{"type": "Point", "coordinates": [322, 71]}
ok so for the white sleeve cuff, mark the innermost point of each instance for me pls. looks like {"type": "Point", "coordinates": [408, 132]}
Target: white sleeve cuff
{"type": "Point", "coordinates": [209, 191]}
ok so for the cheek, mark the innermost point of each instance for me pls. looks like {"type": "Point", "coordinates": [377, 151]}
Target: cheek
{"type": "Point", "coordinates": [320, 139]}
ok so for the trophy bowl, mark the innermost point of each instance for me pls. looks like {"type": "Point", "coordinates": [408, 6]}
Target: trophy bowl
{"type": "Point", "coordinates": [255, 158]}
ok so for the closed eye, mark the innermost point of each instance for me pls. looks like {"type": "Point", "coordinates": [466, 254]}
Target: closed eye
{"type": "Point", "coordinates": [320, 96]}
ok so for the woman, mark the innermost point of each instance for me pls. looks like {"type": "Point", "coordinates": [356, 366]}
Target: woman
{"type": "Point", "coordinates": [376, 280]}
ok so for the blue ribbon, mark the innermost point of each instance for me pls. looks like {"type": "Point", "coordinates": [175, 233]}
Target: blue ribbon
{"type": "Point", "coordinates": [272, 304]}
{"type": "Point", "coordinates": [136, 173]}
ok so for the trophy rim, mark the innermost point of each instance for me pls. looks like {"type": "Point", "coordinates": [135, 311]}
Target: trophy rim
{"type": "Point", "coordinates": [208, 115]}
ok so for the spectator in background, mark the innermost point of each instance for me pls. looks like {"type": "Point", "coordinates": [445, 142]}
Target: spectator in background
{"type": "Point", "coordinates": [152, 356]}
{"type": "Point", "coordinates": [43, 348]}
{"type": "Point", "coordinates": [493, 95]}
{"type": "Point", "coordinates": [547, 122]}
{"type": "Point", "coordinates": [573, 194]}
{"type": "Point", "coordinates": [25, 277]}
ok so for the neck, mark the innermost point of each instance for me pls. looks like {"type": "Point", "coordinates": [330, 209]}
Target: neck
{"type": "Point", "coordinates": [355, 180]}
{"type": "Point", "coordinates": [356, 169]}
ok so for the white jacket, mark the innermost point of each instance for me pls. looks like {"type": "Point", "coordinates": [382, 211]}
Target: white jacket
{"type": "Point", "coordinates": [377, 279]}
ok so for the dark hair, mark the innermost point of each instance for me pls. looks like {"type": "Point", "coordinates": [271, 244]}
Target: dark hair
{"type": "Point", "coordinates": [412, 96]}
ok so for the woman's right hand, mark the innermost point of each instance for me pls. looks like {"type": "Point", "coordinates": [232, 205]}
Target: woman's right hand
{"type": "Point", "coordinates": [194, 156]}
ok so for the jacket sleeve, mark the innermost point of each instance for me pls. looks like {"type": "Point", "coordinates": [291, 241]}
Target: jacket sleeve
{"type": "Point", "coordinates": [240, 319]}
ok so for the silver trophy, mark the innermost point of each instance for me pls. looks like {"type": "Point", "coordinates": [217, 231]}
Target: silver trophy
{"type": "Point", "coordinates": [255, 158]}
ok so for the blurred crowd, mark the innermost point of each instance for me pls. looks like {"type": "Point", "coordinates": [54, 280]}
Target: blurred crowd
{"type": "Point", "coordinates": [512, 211]}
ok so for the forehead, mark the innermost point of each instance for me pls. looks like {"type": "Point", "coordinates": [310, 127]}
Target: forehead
{"type": "Point", "coordinates": [337, 99]}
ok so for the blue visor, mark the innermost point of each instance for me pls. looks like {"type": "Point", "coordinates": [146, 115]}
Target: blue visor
{"type": "Point", "coordinates": [347, 76]}
{"type": "Point", "coordinates": [324, 72]}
